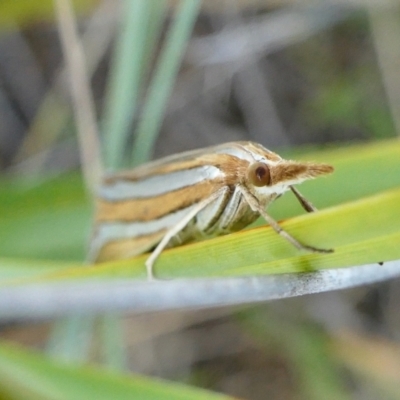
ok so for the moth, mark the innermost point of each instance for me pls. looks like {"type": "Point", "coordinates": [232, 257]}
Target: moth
{"type": "Point", "coordinates": [192, 196]}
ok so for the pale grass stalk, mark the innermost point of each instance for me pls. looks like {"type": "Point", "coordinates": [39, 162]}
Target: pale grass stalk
{"type": "Point", "coordinates": [55, 299]}
{"type": "Point", "coordinates": [81, 94]}
{"type": "Point", "coordinates": [45, 131]}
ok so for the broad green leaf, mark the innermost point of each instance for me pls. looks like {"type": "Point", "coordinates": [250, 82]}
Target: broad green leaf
{"type": "Point", "coordinates": [360, 232]}
{"type": "Point", "coordinates": [25, 375]}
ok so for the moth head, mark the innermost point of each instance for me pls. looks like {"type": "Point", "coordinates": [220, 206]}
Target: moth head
{"type": "Point", "coordinates": [282, 174]}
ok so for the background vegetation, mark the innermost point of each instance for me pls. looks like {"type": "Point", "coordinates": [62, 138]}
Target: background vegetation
{"type": "Point", "coordinates": [121, 82]}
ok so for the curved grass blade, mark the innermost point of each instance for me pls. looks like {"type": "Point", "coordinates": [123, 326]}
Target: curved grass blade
{"type": "Point", "coordinates": [364, 231]}
{"type": "Point", "coordinates": [88, 297]}
{"type": "Point", "coordinates": [25, 375]}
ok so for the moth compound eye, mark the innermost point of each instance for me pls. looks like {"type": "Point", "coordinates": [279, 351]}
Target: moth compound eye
{"type": "Point", "coordinates": [259, 174]}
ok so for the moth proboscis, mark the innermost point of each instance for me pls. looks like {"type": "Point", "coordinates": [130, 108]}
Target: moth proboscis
{"type": "Point", "coordinates": [194, 195]}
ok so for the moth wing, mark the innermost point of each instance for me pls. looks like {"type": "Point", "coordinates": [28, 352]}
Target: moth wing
{"type": "Point", "coordinates": [157, 166]}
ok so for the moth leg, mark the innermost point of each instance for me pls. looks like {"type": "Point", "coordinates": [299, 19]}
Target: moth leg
{"type": "Point", "coordinates": [308, 206]}
{"type": "Point", "coordinates": [174, 230]}
{"type": "Point", "coordinates": [254, 204]}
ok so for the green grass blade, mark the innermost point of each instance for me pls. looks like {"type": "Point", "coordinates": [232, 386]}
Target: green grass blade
{"type": "Point", "coordinates": [125, 79]}
{"type": "Point", "coordinates": [26, 376]}
{"type": "Point", "coordinates": [361, 232]}
{"type": "Point", "coordinates": [163, 80]}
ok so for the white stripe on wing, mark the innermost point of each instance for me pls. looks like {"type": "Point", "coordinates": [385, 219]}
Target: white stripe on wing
{"type": "Point", "coordinates": [112, 231]}
{"type": "Point", "coordinates": [158, 185]}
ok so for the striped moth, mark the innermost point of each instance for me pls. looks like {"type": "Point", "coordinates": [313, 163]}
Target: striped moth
{"type": "Point", "coordinates": [191, 196]}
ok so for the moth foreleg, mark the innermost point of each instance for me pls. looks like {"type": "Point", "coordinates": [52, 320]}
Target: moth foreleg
{"type": "Point", "coordinates": [308, 206]}
{"type": "Point", "coordinates": [175, 229]}
{"type": "Point", "coordinates": [254, 204]}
